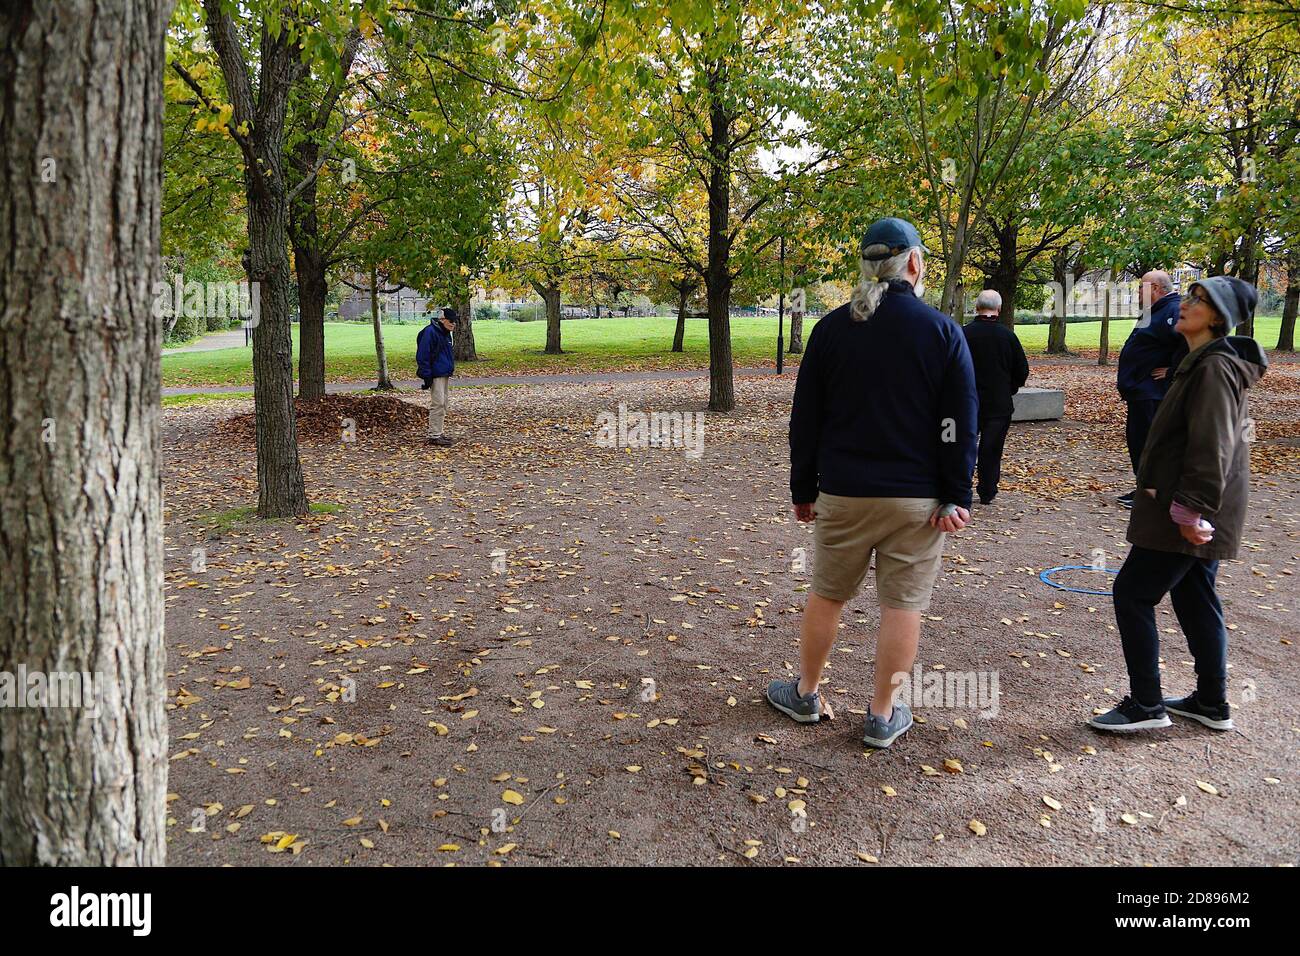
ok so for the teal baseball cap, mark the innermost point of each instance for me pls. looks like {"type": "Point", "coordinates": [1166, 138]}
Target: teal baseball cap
{"type": "Point", "coordinates": [888, 237]}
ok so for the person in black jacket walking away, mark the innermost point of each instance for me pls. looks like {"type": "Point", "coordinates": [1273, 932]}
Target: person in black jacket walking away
{"type": "Point", "coordinates": [882, 443]}
{"type": "Point", "coordinates": [1194, 481]}
{"type": "Point", "coordinates": [1001, 370]}
{"type": "Point", "coordinates": [1147, 361]}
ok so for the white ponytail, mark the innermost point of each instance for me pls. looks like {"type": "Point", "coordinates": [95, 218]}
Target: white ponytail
{"type": "Point", "coordinates": [875, 276]}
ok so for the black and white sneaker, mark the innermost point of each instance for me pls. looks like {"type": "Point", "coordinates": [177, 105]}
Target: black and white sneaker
{"type": "Point", "coordinates": [1215, 717]}
{"type": "Point", "coordinates": [1129, 716]}
{"type": "Point", "coordinates": [1126, 499]}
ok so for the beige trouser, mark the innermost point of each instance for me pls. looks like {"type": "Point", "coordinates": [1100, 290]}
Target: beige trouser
{"type": "Point", "coordinates": [437, 406]}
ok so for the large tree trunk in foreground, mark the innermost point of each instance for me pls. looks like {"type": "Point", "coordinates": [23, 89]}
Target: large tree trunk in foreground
{"type": "Point", "coordinates": [81, 557]}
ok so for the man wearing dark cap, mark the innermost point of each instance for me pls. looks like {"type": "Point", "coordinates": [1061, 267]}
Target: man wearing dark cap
{"type": "Point", "coordinates": [882, 445]}
{"type": "Point", "coordinates": [435, 363]}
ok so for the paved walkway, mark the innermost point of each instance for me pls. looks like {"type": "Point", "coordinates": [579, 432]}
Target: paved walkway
{"type": "Point", "coordinates": [229, 339]}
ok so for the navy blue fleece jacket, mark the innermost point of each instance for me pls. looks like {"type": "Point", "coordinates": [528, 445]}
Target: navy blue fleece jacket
{"type": "Point", "coordinates": [885, 408]}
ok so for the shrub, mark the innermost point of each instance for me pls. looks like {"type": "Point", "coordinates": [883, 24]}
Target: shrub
{"type": "Point", "coordinates": [186, 328]}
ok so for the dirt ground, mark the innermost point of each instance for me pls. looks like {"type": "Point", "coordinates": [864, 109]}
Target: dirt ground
{"type": "Point", "coordinates": [531, 649]}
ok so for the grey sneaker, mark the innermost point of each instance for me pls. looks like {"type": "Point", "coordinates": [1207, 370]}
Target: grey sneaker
{"type": "Point", "coordinates": [784, 696]}
{"type": "Point", "coordinates": [880, 733]}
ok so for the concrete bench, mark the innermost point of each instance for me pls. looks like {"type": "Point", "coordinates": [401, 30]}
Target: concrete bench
{"type": "Point", "coordinates": [1038, 404]}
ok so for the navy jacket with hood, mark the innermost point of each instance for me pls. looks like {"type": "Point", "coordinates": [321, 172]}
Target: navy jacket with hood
{"type": "Point", "coordinates": [885, 408]}
{"type": "Point", "coordinates": [433, 355]}
{"type": "Point", "coordinates": [1151, 346]}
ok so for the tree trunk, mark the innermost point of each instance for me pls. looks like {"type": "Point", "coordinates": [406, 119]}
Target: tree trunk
{"type": "Point", "coordinates": [956, 255]}
{"type": "Point", "coordinates": [551, 297]}
{"type": "Point", "coordinates": [1061, 272]}
{"type": "Point", "coordinates": [310, 262]}
{"type": "Point", "coordinates": [81, 531]}
{"type": "Point", "coordinates": [462, 343]}
{"type": "Point", "coordinates": [796, 321]}
{"type": "Point", "coordinates": [1103, 354]}
{"type": "Point", "coordinates": [1248, 270]}
{"type": "Point", "coordinates": [796, 333]}
{"type": "Point", "coordinates": [309, 266]}
{"type": "Point", "coordinates": [312, 291]}
{"type": "Point", "coordinates": [280, 491]}
{"type": "Point", "coordinates": [1006, 277]}
{"type": "Point", "coordinates": [381, 355]}
{"type": "Point", "coordinates": [679, 335]}
{"type": "Point", "coordinates": [1056, 335]}
{"type": "Point", "coordinates": [717, 284]}
{"type": "Point", "coordinates": [1286, 334]}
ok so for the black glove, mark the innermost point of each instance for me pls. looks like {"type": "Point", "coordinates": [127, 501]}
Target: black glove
{"type": "Point", "coordinates": [428, 383]}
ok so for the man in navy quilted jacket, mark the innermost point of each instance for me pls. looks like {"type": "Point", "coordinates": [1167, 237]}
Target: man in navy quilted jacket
{"type": "Point", "coordinates": [435, 363]}
{"type": "Point", "coordinates": [1147, 363]}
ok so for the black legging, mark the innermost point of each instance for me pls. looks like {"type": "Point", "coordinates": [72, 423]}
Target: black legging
{"type": "Point", "coordinates": [1146, 577]}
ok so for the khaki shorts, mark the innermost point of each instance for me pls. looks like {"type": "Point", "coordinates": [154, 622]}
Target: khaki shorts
{"type": "Point", "coordinates": [908, 550]}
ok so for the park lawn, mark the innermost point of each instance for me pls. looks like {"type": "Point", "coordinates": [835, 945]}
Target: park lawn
{"type": "Point", "coordinates": [590, 345]}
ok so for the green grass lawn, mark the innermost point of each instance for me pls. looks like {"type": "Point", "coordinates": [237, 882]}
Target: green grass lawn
{"type": "Point", "coordinates": [589, 345]}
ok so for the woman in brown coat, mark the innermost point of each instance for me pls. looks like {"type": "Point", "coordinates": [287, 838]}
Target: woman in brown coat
{"type": "Point", "coordinates": [1195, 480]}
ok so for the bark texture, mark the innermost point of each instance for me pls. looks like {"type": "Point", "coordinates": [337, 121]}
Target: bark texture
{"type": "Point", "coordinates": [81, 560]}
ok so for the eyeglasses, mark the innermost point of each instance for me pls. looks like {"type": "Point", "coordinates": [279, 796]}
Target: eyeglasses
{"type": "Point", "coordinates": [1196, 297]}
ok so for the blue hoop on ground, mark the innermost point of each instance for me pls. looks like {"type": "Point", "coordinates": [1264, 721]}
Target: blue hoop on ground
{"type": "Point", "coordinates": [1045, 577]}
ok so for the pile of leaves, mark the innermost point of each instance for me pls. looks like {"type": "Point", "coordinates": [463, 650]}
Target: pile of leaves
{"type": "Point", "coordinates": [331, 418]}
